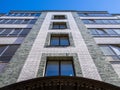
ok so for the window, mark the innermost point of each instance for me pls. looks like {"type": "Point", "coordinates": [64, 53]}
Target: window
{"type": "Point", "coordinates": [26, 21]}
{"type": "Point", "coordinates": [24, 32]}
{"type": "Point", "coordinates": [59, 25]}
{"type": "Point", "coordinates": [105, 32]}
{"type": "Point", "coordinates": [19, 21]}
{"type": "Point", "coordinates": [94, 14]}
{"type": "Point", "coordinates": [59, 66]}
{"type": "Point", "coordinates": [59, 40]}
{"type": "Point", "coordinates": [59, 16]}
{"type": "Point", "coordinates": [32, 21]}
{"type": "Point", "coordinates": [6, 53]}
{"type": "Point", "coordinates": [111, 50]}
{"type": "Point", "coordinates": [102, 21]}
{"type": "Point", "coordinates": [5, 32]}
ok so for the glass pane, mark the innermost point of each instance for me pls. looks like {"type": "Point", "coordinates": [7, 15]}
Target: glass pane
{"type": "Point", "coordinates": [1, 30]}
{"type": "Point", "coordinates": [4, 21]}
{"type": "Point", "coordinates": [37, 14]}
{"type": "Point", "coordinates": [52, 68]}
{"type": "Point", "coordinates": [26, 14]}
{"type": "Point", "coordinates": [6, 32]}
{"type": "Point", "coordinates": [32, 14]}
{"type": "Point", "coordinates": [101, 32]}
{"type": "Point", "coordinates": [14, 32]}
{"type": "Point", "coordinates": [10, 50]}
{"type": "Point", "coordinates": [99, 21]}
{"type": "Point", "coordinates": [106, 50]}
{"type": "Point", "coordinates": [116, 49]}
{"type": "Point", "coordinates": [11, 21]}
{"type": "Point", "coordinates": [117, 31]}
{"type": "Point", "coordinates": [106, 21]}
{"type": "Point", "coordinates": [5, 59]}
{"type": "Point", "coordinates": [18, 22]}
{"type": "Point", "coordinates": [63, 26]}
{"type": "Point", "coordinates": [117, 21]}
{"type": "Point", "coordinates": [83, 15]}
{"type": "Point", "coordinates": [54, 41]}
{"type": "Point", "coordinates": [2, 49]}
{"type": "Point", "coordinates": [25, 21]}
{"type": "Point", "coordinates": [93, 32]}
{"type": "Point", "coordinates": [24, 32]}
{"type": "Point", "coordinates": [66, 68]}
{"type": "Point", "coordinates": [32, 21]}
{"type": "Point", "coordinates": [64, 41]}
{"type": "Point", "coordinates": [55, 26]}
{"type": "Point", "coordinates": [110, 32]}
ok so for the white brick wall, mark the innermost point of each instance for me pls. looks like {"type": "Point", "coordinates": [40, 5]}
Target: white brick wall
{"type": "Point", "coordinates": [16, 25]}
{"type": "Point", "coordinates": [7, 40]}
{"type": "Point", "coordinates": [31, 65]}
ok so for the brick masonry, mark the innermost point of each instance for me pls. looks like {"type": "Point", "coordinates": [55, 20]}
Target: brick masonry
{"type": "Point", "coordinates": [87, 65]}
{"type": "Point", "coordinates": [104, 68]}
{"type": "Point", "coordinates": [11, 74]}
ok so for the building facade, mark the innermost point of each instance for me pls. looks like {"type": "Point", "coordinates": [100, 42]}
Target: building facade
{"type": "Point", "coordinates": [59, 43]}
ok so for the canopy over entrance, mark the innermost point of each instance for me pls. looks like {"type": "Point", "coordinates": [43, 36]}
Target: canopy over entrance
{"type": "Point", "coordinates": [61, 83]}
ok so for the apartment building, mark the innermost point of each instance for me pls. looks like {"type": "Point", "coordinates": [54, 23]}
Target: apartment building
{"type": "Point", "coordinates": [70, 43]}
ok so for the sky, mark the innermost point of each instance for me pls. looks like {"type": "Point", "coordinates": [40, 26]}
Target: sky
{"type": "Point", "coordinates": [112, 6]}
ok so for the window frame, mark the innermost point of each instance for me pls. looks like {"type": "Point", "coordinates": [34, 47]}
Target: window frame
{"type": "Point", "coordinates": [114, 55]}
{"type": "Point", "coordinates": [59, 67]}
{"type": "Point", "coordinates": [59, 25]}
{"type": "Point", "coordinates": [59, 17]}
{"type": "Point", "coordinates": [59, 36]}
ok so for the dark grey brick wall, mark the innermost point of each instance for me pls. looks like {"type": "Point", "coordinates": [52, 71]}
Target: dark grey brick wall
{"type": "Point", "coordinates": [105, 69]}
{"type": "Point", "coordinates": [13, 69]}
{"type": "Point", "coordinates": [42, 66]}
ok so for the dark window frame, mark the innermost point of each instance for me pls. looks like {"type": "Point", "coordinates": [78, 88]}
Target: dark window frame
{"type": "Point", "coordinates": [57, 17]}
{"type": "Point", "coordinates": [59, 36]}
{"type": "Point", "coordinates": [114, 56]}
{"type": "Point", "coordinates": [59, 25]}
{"type": "Point", "coordinates": [59, 61]}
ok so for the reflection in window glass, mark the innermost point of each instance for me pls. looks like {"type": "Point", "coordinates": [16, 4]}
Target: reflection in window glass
{"type": "Point", "coordinates": [32, 21]}
{"type": "Point", "coordinates": [2, 48]}
{"type": "Point", "coordinates": [59, 40]}
{"type": "Point", "coordinates": [14, 33]}
{"type": "Point", "coordinates": [117, 31]}
{"type": "Point", "coordinates": [59, 66]}
{"type": "Point", "coordinates": [59, 25]}
{"type": "Point", "coordinates": [106, 50]}
{"type": "Point", "coordinates": [18, 21]}
{"type": "Point", "coordinates": [66, 68]}
{"type": "Point", "coordinates": [64, 41]}
{"type": "Point", "coordinates": [111, 51]}
{"type": "Point", "coordinates": [24, 32]}
{"type": "Point", "coordinates": [54, 41]}
{"type": "Point", "coordinates": [52, 68]}
{"type": "Point", "coordinates": [6, 32]}
{"type": "Point", "coordinates": [116, 49]}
